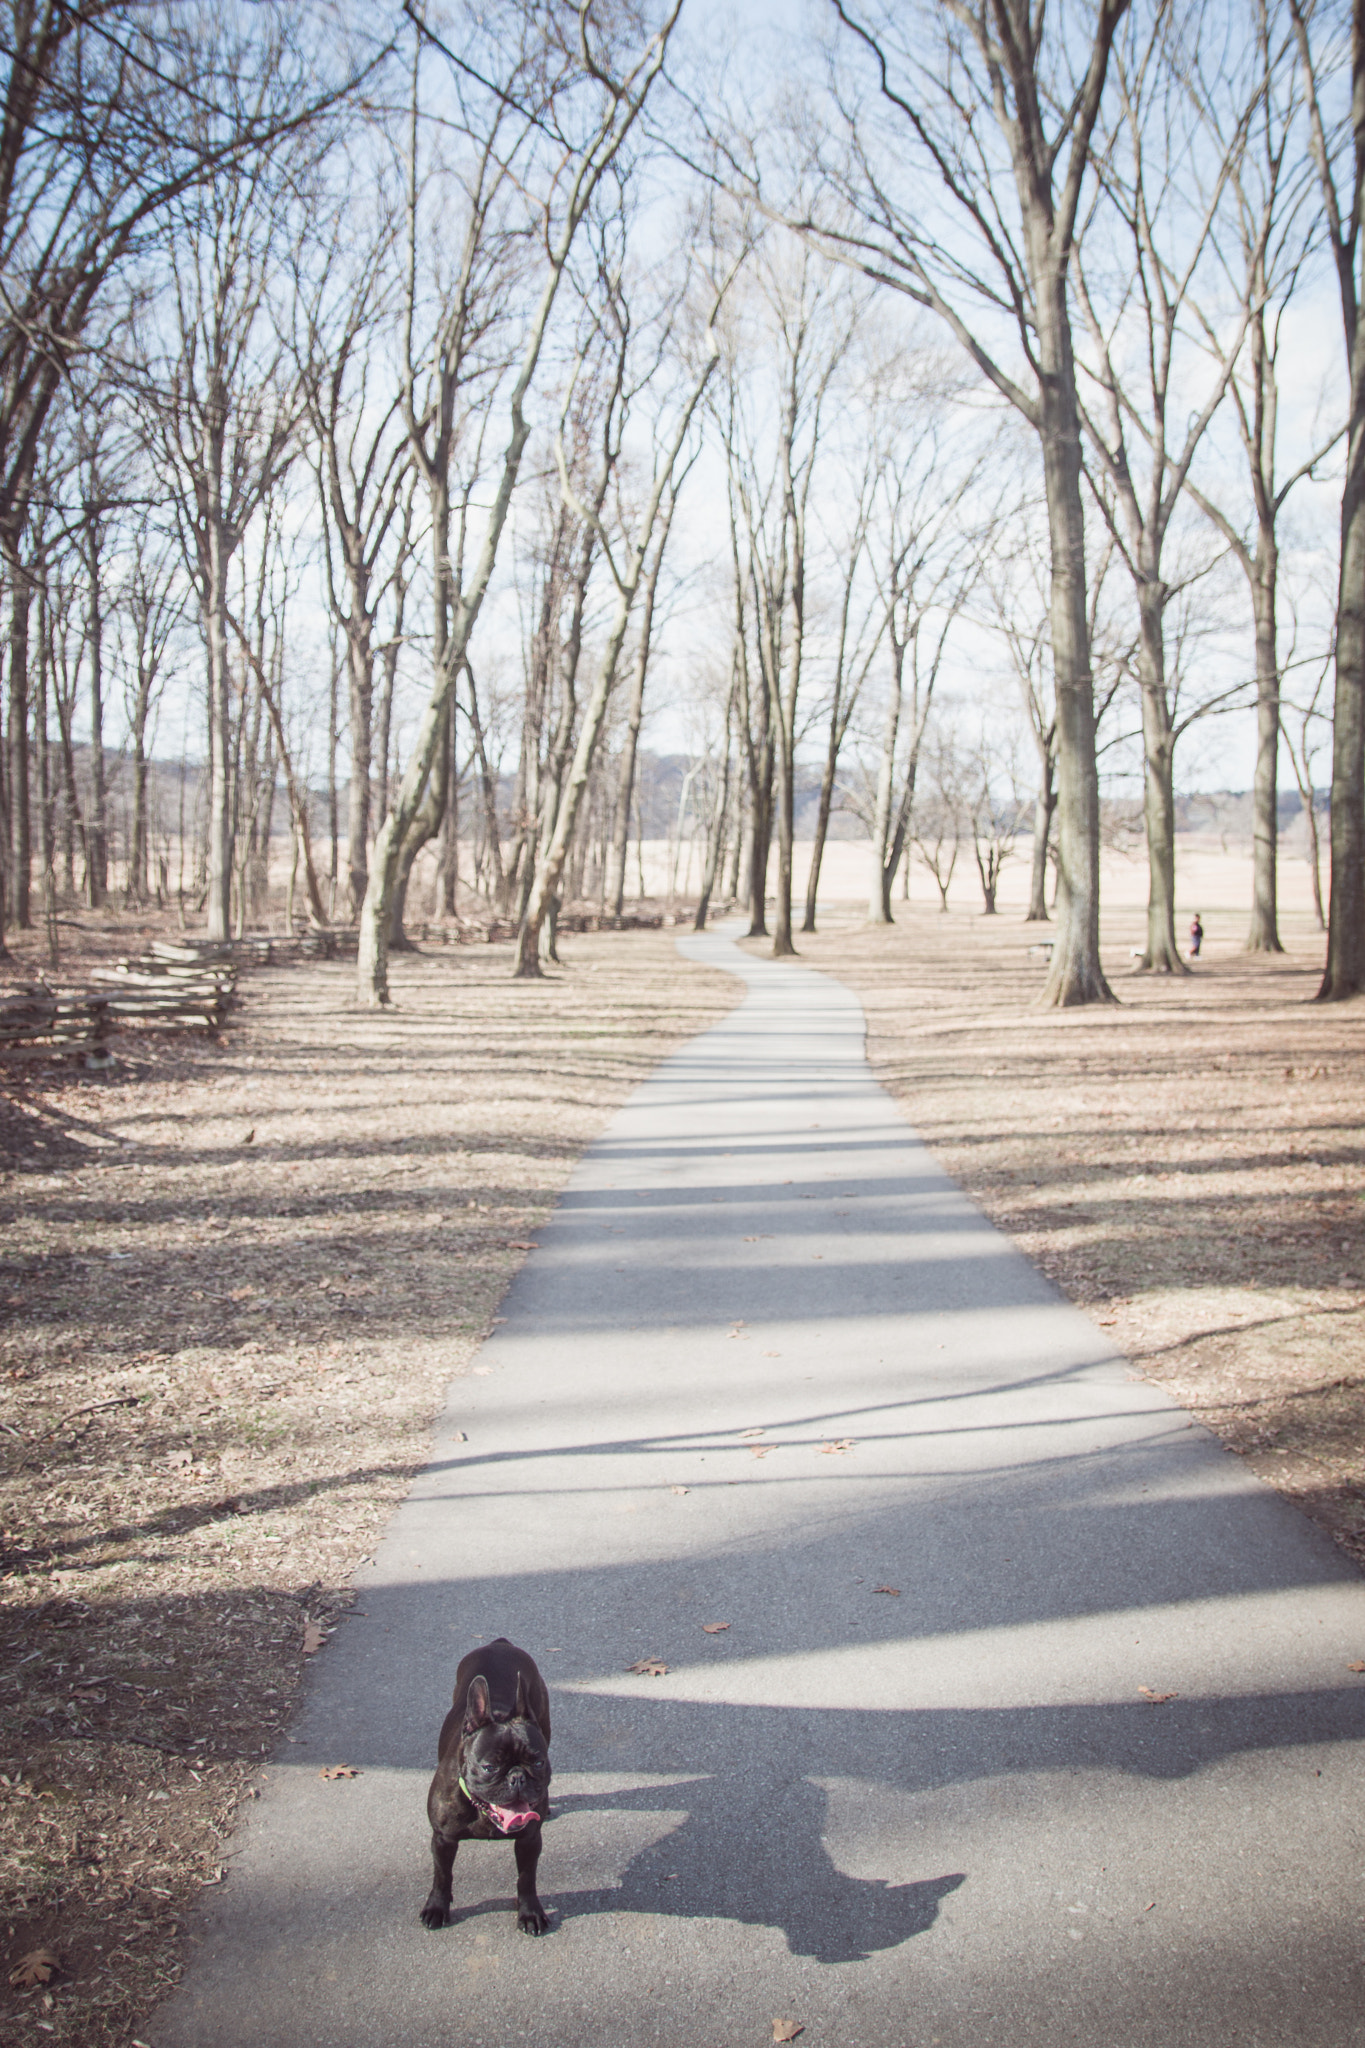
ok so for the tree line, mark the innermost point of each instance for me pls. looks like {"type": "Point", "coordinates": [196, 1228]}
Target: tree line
{"type": "Point", "coordinates": [418, 395]}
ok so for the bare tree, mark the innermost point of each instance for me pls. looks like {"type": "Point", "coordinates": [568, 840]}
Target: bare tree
{"type": "Point", "coordinates": [152, 606]}
{"type": "Point", "coordinates": [626, 577]}
{"type": "Point", "coordinates": [933, 556]}
{"type": "Point", "coordinates": [225, 408]}
{"type": "Point", "coordinates": [994, 810]}
{"type": "Point", "coordinates": [858, 634]}
{"type": "Point", "coordinates": [360, 454]}
{"type": "Point", "coordinates": [1339, 160]}
{"type": "Point", "coordinates": [1272, 228]}
{"type": "Point", "coordinates": [1138, 367]}
{"type": "Point", "coordinates": [944, 78]}
{"type": "Point", "coordinates": [1306, 729]}
{"type": "Point", "coordinates": [635, 706]}
{"type": "Point", "coordinates": [617, 96]}
{"type": "Point", "coordinates": [113, 109]}
{"type": "Point", "coordinates": [938, 822]}
{"type": "Point", "coordinates": [812, 327]}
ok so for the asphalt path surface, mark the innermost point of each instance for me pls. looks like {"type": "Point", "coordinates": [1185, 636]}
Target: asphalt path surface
{"type": "Point", "coordinates": [770, 1368]}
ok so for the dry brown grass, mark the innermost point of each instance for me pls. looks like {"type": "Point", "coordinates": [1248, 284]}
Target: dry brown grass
{"type": "Point", "coordinates": [1187, 1166]}
{"type": "Point", "coordinates": [274, 1251]}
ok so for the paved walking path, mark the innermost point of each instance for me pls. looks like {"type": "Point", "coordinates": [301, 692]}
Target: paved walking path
{"type": "Point", "coordinates": [767, 1363]}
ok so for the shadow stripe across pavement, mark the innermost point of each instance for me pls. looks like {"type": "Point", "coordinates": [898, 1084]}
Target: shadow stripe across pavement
{"type": "Point", "coordinates": [770, 1368]}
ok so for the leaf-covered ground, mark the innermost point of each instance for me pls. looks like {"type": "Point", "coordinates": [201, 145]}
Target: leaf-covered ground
{"type": "Point", "coordinates": [235, 1279]}
{"type": "Point", "coordinates": [1188, 1165]}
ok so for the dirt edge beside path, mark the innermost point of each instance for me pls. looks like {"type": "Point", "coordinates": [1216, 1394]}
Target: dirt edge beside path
{"type": "Point", "coordinates": [236, 1280]}
{"type": "Point", "coordinates": [1187, 1167]}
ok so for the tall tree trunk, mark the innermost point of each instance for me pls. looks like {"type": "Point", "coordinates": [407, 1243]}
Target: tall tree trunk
{"type": "Point", "coordinates": [1264, 934]}
{"type": "Point", "coordinates": [824, 806]}
{"type": "Point", "coordinates": [297, 793]}
{"type": "Point", "coordinates": [760, 840]}
{"type": "Point", "coordinates": [715, 846]}
{"type": "Point", "coordinates": [46, 792]}
{"type": "Point", "coordinates": [21, 599]}
{"type": "Point", "coordinates": [97, 829]}
{"type": "Point", "coordinates": [360, 670]}
{"type": "Point", "coordinates": [215, 599]}
{"type": "Point", "coordinates": [786, 820]}
{"type": "Point", "coordinates": [425, 825]}
{"type": "Point", "coordinates": [549, 868]}
{"type": "Point", "coordinates": [333, 794]}
{"type": "Point", "coordinates": [1158, 800]}
{"type": "Point", "coordinates": [448, 866]}
{"type": "Point", "coordinates": [1044, 806]}
{"type": "Point", "coordinates": [1075, 975]}
{"type": "Point", "coordinates": [136, 891]}
{"type": "Point", "coordinates": [625, 771]}
{"type": "Point", "coordinates": [491, 823]}
{"type": "Point", "coordinates": [879, 897]}
{"type": "Point", "coordinates": [1345, 970]}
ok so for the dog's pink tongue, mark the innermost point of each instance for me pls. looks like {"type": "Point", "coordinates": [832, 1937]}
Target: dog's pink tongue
{"type": "Point", "coordinates": [511, 1817]}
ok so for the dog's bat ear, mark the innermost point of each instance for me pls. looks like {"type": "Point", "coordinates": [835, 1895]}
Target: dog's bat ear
{"type": "Point", "coordinates": [521, 1711]}
{"type": "Point", "coordinates": [477, 1710]}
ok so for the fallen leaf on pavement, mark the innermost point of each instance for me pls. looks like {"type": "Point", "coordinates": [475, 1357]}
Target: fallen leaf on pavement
{"type": "Point", "coordinates": [1359, 1665]}
{"type": "Point", "coordinates": [314, 1636]}
{"type": "Point", "coordinates": [1149, 1905]}
{"type": "Point", "coordinates": [839, 1444]}
{"type": "Point", "coordinates": [786, 2030]}
{"type": "Point", "coordinates": [677, 1489]}
{"type": "Point", "coordinates": [894, 1591]}
{"type": "Point", "coordinates": [338, 1771]}
{"type": "Point", "coordinates": [759, 1450]}
{"type": "Point", "coordinates": [649, 1667]}
{"type": "Point", "coordinates": [751, 1432]}
{"type": "Point", "coordinates": [772, 1354]}
{"type": "Point", "coordinates": [1158, 1699]}
{"type": "Point", "coordinates": [250, 1137]}
{"type": "Point", "coordinates": [37, 1967]}
{"type": "Point", "coordinates": [522, 1244]}
{"type": "Point", "coordinates": [714, 1628]}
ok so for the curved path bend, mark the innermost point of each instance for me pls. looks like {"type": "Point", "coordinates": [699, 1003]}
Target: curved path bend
{"type": "Point", "coordinates": [768, 1363]}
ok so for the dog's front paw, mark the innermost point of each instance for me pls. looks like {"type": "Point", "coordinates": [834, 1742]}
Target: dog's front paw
{"type": "Point", "coordinates": [531, 1917]}
{"type": "Point", "coordinates": [434, 1911]}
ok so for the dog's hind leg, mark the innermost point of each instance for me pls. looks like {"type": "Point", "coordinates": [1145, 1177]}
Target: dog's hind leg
{"type": "Point", "coordinates": [443, 1849]}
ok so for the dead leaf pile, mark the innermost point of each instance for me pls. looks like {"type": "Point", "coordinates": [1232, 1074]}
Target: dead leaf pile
{"type": "Point", "coordinates": [649, 1667]}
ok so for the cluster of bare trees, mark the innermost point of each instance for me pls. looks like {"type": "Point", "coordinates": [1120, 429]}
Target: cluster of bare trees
{"type": "Point", "coordinates": [407, 408]}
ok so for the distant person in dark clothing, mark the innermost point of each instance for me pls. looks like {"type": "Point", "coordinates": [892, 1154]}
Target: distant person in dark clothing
{"type": "Point", "coordinates": [1196, 936]}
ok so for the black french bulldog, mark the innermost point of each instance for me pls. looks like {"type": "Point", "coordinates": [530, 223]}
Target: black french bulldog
{"type": "Point", "coordinates": [493, 1777]}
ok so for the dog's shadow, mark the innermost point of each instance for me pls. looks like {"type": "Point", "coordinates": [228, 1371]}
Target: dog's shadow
{"type": "Point", "coordinates": [783, 1877]}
